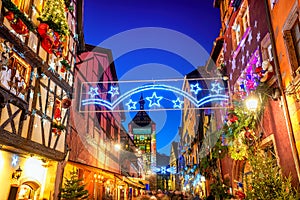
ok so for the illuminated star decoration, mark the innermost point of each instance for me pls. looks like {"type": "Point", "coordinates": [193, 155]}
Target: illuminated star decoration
{"type": "Point", "coordinates": [113, 91]}
{"type": "Point", "coordinates": [195, 88]}
{"type": "Point", "coordinates": [33, 112]}
{"type": "Point", "coordinates": [131, 105]}
{"type": "Point", "coordinates": [31, 94]}
{"type": "Point", "coordinates": [163, 170]}
{"type": "Point", "coordinates": [14, 160]}
{"type": "Point", "coordinates": [216, 88]}
{"type": "Point", "coordinates": [93, 91]}
{"type": "Point", "coordinates": [51, 67]}
{"type": "Point", "coordinates": [177, 103]}
{"type": "Point", "coordinates": [154, 100]}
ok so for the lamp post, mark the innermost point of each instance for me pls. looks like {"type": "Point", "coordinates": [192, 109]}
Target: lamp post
{"type": "Point", "coordinates": [252, 103]}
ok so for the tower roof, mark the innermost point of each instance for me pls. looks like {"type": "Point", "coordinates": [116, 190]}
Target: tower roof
{"type": "Point", "coordinates": [142, 118]}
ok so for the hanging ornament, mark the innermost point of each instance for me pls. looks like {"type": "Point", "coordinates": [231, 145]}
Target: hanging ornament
{"type": "Point", "coordinates": [66, 103]}
{"type": "Point", "coordinates": [19, 27]}
{"type": "Point", "coordinates": [9, 15]}
{"type": "Point", "coordinates": [46, 43]}
{"type": "Point", "coordinates": [57, 114]}
{"type": "Point", "coordinates": [43, 29]}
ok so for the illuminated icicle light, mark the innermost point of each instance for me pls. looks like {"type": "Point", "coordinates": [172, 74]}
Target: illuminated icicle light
{"type": "Point", "coordinates": [195, 88]}
{"type": "Point", "coordinates": [51, 67]}
{"type": "Point", "coordinates": [154, 100]}
{"type": "Point", "coordinates": [216, 88]}
{"type": "Point", "coordinates": [131, 105]}
{"type": "Point", "coordinates": [177, 103]}
{"type": "Point", "coordinates": [113, 91]}
{"type": "Point", "coordinates": [93, 92]}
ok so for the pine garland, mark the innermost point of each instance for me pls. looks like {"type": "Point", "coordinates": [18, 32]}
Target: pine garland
{"type": "Point", "coordinates": [18, 14]}
{"type": "Point", "coordinates": [54, 15]}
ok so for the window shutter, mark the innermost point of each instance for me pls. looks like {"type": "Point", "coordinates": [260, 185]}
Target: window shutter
{"type": "Point", "coordinates": [291, 50]}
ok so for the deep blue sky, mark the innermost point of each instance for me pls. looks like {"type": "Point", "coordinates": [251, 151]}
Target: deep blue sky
{"type": "Point", "coordinates": [157, 39]}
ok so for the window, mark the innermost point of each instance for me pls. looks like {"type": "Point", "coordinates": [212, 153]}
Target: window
{"type": "Point", "coordinates": [15, 76]}
{"type": "Point", "coordinates": [23, 5]}
{"type": "Point", "coordinates": [240, 26]}
{"type": "Point", "coordinates": [291, 30]}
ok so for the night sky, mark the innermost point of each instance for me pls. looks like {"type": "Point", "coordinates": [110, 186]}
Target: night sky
{"type": "Point", "coordinates": [154, 40]}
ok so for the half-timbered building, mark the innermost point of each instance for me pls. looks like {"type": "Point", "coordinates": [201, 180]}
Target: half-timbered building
{"type": "Point", "coordinates": [38, 42]}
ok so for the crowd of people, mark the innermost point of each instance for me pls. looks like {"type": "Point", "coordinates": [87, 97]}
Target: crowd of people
{"type": "Point", "coordinates": [168, 195]}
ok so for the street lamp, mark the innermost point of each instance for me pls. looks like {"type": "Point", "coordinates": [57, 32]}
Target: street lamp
{"type": "Point", "coordinates": [252, 103]}
{"type": "Point", "coordinates": [117, 147]}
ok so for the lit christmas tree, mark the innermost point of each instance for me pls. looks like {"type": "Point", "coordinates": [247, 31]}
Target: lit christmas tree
{"type": "Point", "coordinates": [54, 15]}
{"type": "Point", "coordinates": [73, 188]}
{"type": "Point", "coordinates": [267, 182]}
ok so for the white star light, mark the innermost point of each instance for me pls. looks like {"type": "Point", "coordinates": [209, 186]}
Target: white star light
{"type": "Point", "coordinates": [255, 24]}
{"type": "Point", "coordinates": [243, 59]}
{"type": "Point", "coordinates": [14, 161]}
{"type": "Point", "coordinates": [154, 100]}
{"type": "Point", "coordinates": [35, 125]}
{"type": "Point", "coordinates": [224, 46]}
{"type": "Point", "coordinates": [51, 67]}
{"type": "Point", "coordinates": [131, 105]}
{"type": "Point", "coordinates": [113, 91]}
{"type": "Point", "coordinates": [250, 37]}
{"type": "Point", "coordinates": [177, 103]}
{"type": "Point", "coordinates": [258, 36]}
{"type": "Point", "coordinates": [197, 88]}
{"type": "Point", "coordinates": [93, 92]}
{"type": "Point", "coordinates": [233, 63]}
{"type": "Point", "coordinates": [216, 88]}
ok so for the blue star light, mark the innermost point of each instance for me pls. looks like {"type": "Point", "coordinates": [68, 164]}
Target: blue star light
{"type": "Point", "coordinates": [216, 88]}
{"type": "Point", "coordinates": [93, 92]}
{"type": "Point", "coordinates": [163, 170]}
{"type": "Point", "coordinates": [131, 105]}
{"type": "Point", "coordinates": [195, 88]}
{"type": "Point", "coordinates": [154, 100]}
{"type": "Point", "coordinates": [113, 91]}
{"type": "Point", "coordinates": [177, 103]}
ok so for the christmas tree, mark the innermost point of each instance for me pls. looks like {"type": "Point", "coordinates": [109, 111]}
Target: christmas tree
{"type": "Point", "coordinates": [73, 188]}
{"type": "Point", "coordinates": [54, 15]}
{"type": "Point", "coordinates": [267, 181]}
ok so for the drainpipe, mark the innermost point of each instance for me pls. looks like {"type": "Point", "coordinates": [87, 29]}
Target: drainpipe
{"type": "Point", "coordinates": [285, 104]}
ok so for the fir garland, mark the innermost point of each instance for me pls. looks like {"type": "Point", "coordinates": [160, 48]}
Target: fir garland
{"type": "Point", "coordinates": [18, 14]}
{"type": "Point", "coordinates": [54, 15]}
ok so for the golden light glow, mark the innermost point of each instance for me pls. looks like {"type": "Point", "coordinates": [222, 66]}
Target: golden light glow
{"type": "Point", "coordinates": [34, 168]}
{"type": "Point", "coordinates": [252, 103]}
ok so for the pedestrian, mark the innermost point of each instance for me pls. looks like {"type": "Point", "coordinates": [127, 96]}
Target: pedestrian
{"type": "Point", "coordinates": [197, 197]}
